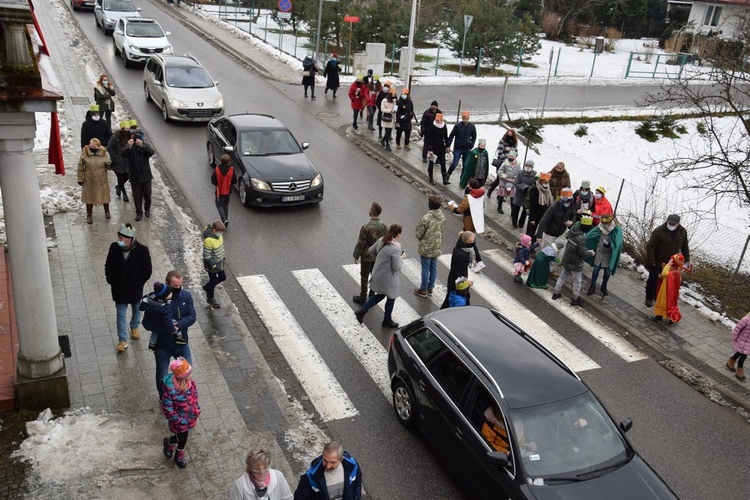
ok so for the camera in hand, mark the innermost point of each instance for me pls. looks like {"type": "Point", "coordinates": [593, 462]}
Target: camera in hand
{"type": "Point", "coordinates": [136, 135]}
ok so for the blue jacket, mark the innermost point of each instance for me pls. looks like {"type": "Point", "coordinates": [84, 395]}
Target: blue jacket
{"type": "Point", "coordinates": [183, 312]}
{"type": "Point", "coordinates": [157, 315]}
{"type": "Point", "coordinates": [312, 484]}
{"type": "Point", "coordinates": [455, 299]}
{"type": "Point", "coordinates": [465, 135]}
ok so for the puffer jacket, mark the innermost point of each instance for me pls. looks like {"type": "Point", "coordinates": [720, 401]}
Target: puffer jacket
{"type": "Point", "coordinates": [575, 249]}
{"type": "Point", "coordinates": [213, 251]}
{"type": "Point", "coordinates": [157, 315]}
{"type": "Point", "coordinates": [181, 409]}
{"type": "Point", "coordinates": [430, 230]}
{"type": "Point", "coordinates": [554, 219]}
{"type": "Point", "coordinates": [741, 336]}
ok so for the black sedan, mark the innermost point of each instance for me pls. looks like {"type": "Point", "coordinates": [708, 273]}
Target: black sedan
{"type": "Point", "coordinates": [509, 418]}
{"type": "Point", "coordinates": [271, 168]}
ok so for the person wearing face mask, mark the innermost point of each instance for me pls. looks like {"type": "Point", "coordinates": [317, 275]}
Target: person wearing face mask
{"type": "Point", "coordinates": [260, 481]}
{"type": "Point", "coordinates": [560, 178]}
{"type": "Point", "coordinates": [136, 154]}
{"type": "Point", "coordinates": [388, 118]}
{"type": "Point", "coordinates": [524, 180]}
{"type": "Point", "coordinates": [436, 141]}
{"type": "Point", "coordinates": [127, 269]}
{"type": "Point", "coordinates": [572, 262]}
{"type": "Point", "coordinates": [539, 200]}
{"type": "Point", "coordinates": [404, 114]}
{"type": "Point", "coordinates": [104, 90]}
{"type": "Point", "coordinates": [606, 240]}
{"type": "Point", "coordinates": [357, 98]}
{"type": "Point", "coordinates": [373, 90]}
{"type": "Point", "coordinates": [384, 92]}
{"type": "Point", "coordinates": [666, 240]}
{"type": "Point", "coordinates": [213, 259]}
{"type": "Point", "coordinates": [427, 118]}
{"type": "Point", "coordinates": [505, 178]}
{"type": "Point", "coordinates": [584, 200]}
{"type": "Point", "coordinates": [465, 134]}
{"type": "Point", "coordinates": [477, 166]}
{"type": "Point", "coordinates": [331, 74]}
{"type": "Point", "coordinates": [92, 177]}
{"type": "Point", "coordinates": [94, 127]}
{"type": "Point", "coordinates": [603, 206]}
{"type": "Point", "coordinates": [553, 224]}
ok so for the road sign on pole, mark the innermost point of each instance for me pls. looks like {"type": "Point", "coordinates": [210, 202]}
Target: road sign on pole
{"type": "Point", "coordinates": [467, 22]}
{"type": "Point", "coordinates": [285, 5]}
{"type": "Point", "coordinates": [351, 19]}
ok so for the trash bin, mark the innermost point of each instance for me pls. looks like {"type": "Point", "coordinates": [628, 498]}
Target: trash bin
{"type": "Point", "coordinates": [599, 45]}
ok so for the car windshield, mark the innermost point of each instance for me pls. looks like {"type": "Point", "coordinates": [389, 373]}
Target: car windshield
{"type": "Point", "coordinates": [144, 30]}
{"type": "Point", "coordinates": [189, 78]}
{"type": "Point", "coordinates": [268, 142]}
{"type": "Point", "coordinates": [571, 439]}
{"type": "Point", "coordinates": [118, 6]}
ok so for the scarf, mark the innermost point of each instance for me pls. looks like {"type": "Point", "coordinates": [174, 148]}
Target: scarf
{"type": "Point", "coordinates": [545, 195]}
{"type": "Point", "coordinates": [606, 230]}
{"type": "Point", "coordinates": [439, 125]}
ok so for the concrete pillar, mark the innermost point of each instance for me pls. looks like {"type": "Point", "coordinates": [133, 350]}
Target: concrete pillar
{"type": "Point", "coordinates": [41, 371]}
{"type": "Point", "coordinates": [17, 48]}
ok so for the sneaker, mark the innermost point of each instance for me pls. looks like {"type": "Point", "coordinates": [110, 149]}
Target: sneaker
{"type": "Point", "coordinates": [649, 302]}
{"type": "Point", "coordinates": [421, 292]}
{"type": "Point", "coordinates": [180, 340]}
{"type": "Point", "coordinates": [518, 279]}
{"type": "Point", "coordinates": [121, 346]}
{"type": "Point", "coordinates": [429, 292]}
{"type": "Point", "coordinates": [152, 348]}
{"type": "Point", "coordinates": [389, 323]}
{"type": "Point", "coordinates": [138, 217]}
{"type": "Point", "coordinates": [135, 334]}
{"type": "Point", "coordinates": [556, 295]}
{"type": "Point", "coordinates": [179, 458]}
{"type": "Point", "coordinates": [213, 303]}
{"type": "Point", "coordinates": [406, 146]}
{"type": "Point", "coordinates": [578, 301]}
{"type": "Point", "coordinates": [168, 448]}
{"type": "Point", "coordinates": [226, 224]}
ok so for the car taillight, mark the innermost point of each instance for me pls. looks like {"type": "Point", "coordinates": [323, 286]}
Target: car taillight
{"type": "Point", "coordinates": [393, 338]}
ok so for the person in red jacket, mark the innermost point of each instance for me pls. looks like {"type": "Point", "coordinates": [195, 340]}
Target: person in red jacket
{"type": "Point", "coordinates": [223, 179]}
{"type": "Point", "coordinates": [358, 97]}
{"type": "Point", "coordinates": [603, 206]}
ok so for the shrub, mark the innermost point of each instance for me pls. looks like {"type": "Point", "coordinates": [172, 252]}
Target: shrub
{"type": "Point", "coordinates": [531, 130]}
{"type": "Point", "coordinates": [551, 23]}
{"type": "Point", "coordinates": [646, 130]}
{"type": "Point", "coordinates": [612, 36]}
{"type": "Point", "coordinates": [701, 128]}
{"type": "Point", "coordinates": [581, 131]}
{"type": "Point", "coordinates": [681, 129]}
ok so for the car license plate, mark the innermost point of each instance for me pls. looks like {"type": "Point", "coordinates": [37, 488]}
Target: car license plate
{"type": "Point", "coordinates": [297, 197]}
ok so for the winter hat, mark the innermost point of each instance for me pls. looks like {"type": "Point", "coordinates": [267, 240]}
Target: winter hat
{"type": "Point", "coordinates": [545, 177]}
{"type": "Point", "coordinates": [673, 219]}
{"type": "Point", "coordinates": [376, 78]}
{"type": "Point", "coordinates": [512, 153]}
{"type": "Point", "coordinates": [525, 240]}
{"type": "Point", "coordinates": [601, 190]}
{"type": "Point", "coordinates": [369, 72]}
{"type": "Point", "coordinates": [462, 283]}
{"type": "Point", "coordinates": [127, 231]}
{"type": "Point", "coordinates": [335, 55]}
{"type": "Point", "coordinates": [161, 290]}
{"type": "Point", "coordinates": [566, 193]}
{"type": "Point", "coordinates": [587, 220]}
{"type": "Point", "coordinates": [530, 163]}
{"type": "Point", "coordinates": [433, 103]}
{"type": "Point", "coordinates": [94, 108]}
{"type": "Point", "coordinates": [392, 90]}
{"type": "Point", "coordinates": [181, 368]}
{"type": "Point", "coordinates": [586, 185]}
{"type": "Point", "coordinates": [606, 218]}
{"type": "Point", "coordinates": [482, 142]}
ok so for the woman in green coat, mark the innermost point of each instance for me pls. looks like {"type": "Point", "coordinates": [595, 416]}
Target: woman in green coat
{"type": "Point", "coordinates": [477, 165]}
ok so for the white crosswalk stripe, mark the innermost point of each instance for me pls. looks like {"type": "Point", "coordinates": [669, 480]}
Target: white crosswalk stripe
{"type": "Point", "coordinates": [516, 312]}
{"type": "Point", "coordinates": [403, 313]}
{"type": "Point", "coordinates": [326, 394]}
{"type": "Point", "coordinates": [368, 350]}
{"type": "Point", "coordinates": [585, 320]}
{"type": "Point", "coordinates": [412, 269]}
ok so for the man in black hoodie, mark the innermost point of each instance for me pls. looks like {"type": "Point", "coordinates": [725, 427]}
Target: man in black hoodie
{"type": "Point", "coordinates": [94, 127]}
{"type": "Point", "coordinates": [427, 118]}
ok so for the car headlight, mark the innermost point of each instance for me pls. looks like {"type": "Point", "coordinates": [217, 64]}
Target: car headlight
{"type": "Point", "coordinates": [176, 103]}
{"type": "Point", "coordinates": [317, 181]}
{"type": "Point", "coordinates": [260, 185]}
{"type": "Point", "coordinates": [167, 50]}
{"type": "Point", "coordinates": [219, 102]}
{"type": "Point", "coordinates": [108, 20]}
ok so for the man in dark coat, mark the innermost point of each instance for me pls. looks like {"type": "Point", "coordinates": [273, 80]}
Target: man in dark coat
{"type": "Point", "coordinates": [136, 154]}
{"type": "Point", "coordinates": [334, 474]}
{"type": "Point", "coordinates": [427, 118]}
{"type": "Point", "coordinates": [463, 254]}
{"type": "Point", "coordinates": [668, 239]}
{"type": "Point", "coordinates": [436, 141]}
{"type": "Point", "coordinates": [331, 74]}
{"type": "Point", "coordinates": [404, 113]}
{"type": "Point", "coordinates": [556, 219]}
{"type": "Point", "coordinates": [309, 69]}
{"type": "Point", "coordinates": [572, 262]}
{"type": "Point", "coordinates": [368, 235]}
{"type": "Point", "coordinates": [465, 135]}
{"type": "Point", "coordinates": [95, 127]}
{"type": "Point", "coordinates": [127, 269]}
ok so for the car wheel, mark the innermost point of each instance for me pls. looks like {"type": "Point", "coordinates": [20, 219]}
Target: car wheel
{"type": "Point", "coordinates": [403, 403]}
{"type": "Point", "coordinates": [125, 59]}
{"type": "Point", "coordinates": [108, 32]}
{"type": "Point", "coordinates": [96, 20]}
{"type": "Point", "coordinates": [211, 157]}
{"type": "Point", "coordinates": [73, 5]}
{"type": "Point", "coordinates": [244, 194]}
{"type": "Point", "coordinates": [164, 111]}
{"type": "Point", "coordinates": [145, 92]}
{"type": "Point", "coordinates": [114, 47]}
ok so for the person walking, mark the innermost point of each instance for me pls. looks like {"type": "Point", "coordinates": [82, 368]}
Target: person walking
{"type": "Point", "coordinates": [368, 235]}
{"type": "Point", "coordinates": [94, 127]}
{"type": "Point", "coordinates": [386, 275]}
{"type": "Point", "coordinates": [334, 474]}
{"type": "Point", "coordinates": [477, 166]}
{"type": "Point", "coordinates": [127, 269]}
{"type": "Point", "coordinates": [464, 134]}
{"type": "Point", "coordinates": [427, 118]}
{"type": "Point", "coordinates": [522, 262]}
{"type": "Point", "coordinates": [606, 240]}
{"type": "Point", "coordinates": [357, 95]}
{"type": "Point", "coordinates": [404, 113]}
{"type": "Point", "coordinates": [475, 191]}
{"type": "Point", "coordinates": [437, 147]}
{"type": "Point", "coordinates": [741, 346]}
{"type": "Point", "coordinates": [384, 92]}
{"type": "Point", "coordinates": [668, 290]}
{"type": "Point", "coordinates": [505, 180]}
{"type": "Point", "coordinates": [430, 229]}
{"type": "Point", "coordinates": [572, 260]}
{"type": "Point", "coordinates": [331, 74]}
{"type": "Point", "coordinates": [465, 254]}
{"type": "Point", "coordinates": [260, 481]}
{"type": "Point", "coordinates": [559, 179]}
{"type": "Point", "coordinates": [603, 206]}
{"type": "Point", "coordinates": [666, 240]}
{"type": "Point", "coordinates": [525, 178]}
{"type": "Point", "coordinates": [136, 155]}
{"type": "Point", "coordinates": [118, 141]}
{"type": "Point", "coordinates": [104, 90]}
{"type": "Point", "coordinates": [213, 259]}
{"type": "Point", "coordinates": [388, 117]}
{"type": "Point", "coordinates": [223, 178]}
{"type": "Point", "coordinates": [373, 90]}
{"type": "Point", "coordinates": [309, 70]}
{"type": "Point", "coordinates": [92, 177]}
{"type": "Point", "coordinates": [539, 199]}
{"type": "Point", "coordinates": [555, 221]}
{"type": "Point", "coordinates": [183, 315]}
{"type": "Point", "coordinates": [179, 404]}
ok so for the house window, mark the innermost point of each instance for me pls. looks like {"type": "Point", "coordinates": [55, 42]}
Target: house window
{"type": "Point", "coordinates": [712, 16]}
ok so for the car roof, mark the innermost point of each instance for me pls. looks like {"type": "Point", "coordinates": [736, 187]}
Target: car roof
{"type": "Point", "coordinates": [133, 19]}
{"type": "Point", "coordinates": [255, 121]}
{"type": "Point", "coordinates": [526, 373]}
{"type": "Point", "coordinates": [179, 60]}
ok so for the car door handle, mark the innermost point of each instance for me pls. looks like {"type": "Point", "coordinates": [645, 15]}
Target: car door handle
{"type": "Point", "coordinates": [459, 434]}
{"type": "Point", "coordinates": [422, 386]}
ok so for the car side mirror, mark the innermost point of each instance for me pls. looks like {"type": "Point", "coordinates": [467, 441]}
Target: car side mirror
{"type": "Point", "coordinates": [216, 82]}
{"type": "Point", "coordinates": [305, 145]}
{"type": "Point", "coordinates": [157, 82]}
{"type": "Point", "coordinates": [228, 149]}
{"type": "Point", "coordinates": [138, 9]}
{"type": "Point", "coordinates": [167, 33]}
{"type": "Point", "coordinates": [497, 457]}
{"type": "Point", "coordinates": [626, 425]}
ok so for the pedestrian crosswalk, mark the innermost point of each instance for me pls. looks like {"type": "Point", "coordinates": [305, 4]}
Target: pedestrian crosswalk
{"type": "Point", "coordinates": [324, 390]}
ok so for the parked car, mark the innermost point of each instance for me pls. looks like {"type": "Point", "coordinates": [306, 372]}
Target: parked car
{"type": "Point", "coordinates": [82, 4]}
{"type": "Point", "coordinates": [182, 88]}
{"type": "Point", "coordinates": [271, 167]}
{"type": "Point", "coordinates": [509, 418]}
{"type": "Point", "coordinates": [137, 38]}
{"type": "Point", "coordinates": [108, 12]}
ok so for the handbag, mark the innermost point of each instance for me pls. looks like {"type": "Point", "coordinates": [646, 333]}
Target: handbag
{"type": "Point", "coordinates": [386, 117]}
{"type": "Point", "coordinates": [305, 73]}
{"type": "Point", "coordinates": [497, 163]}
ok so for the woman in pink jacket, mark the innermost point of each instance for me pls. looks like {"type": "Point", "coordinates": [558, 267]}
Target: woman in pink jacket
{"type": "Point", "coordinates": [741, 346]}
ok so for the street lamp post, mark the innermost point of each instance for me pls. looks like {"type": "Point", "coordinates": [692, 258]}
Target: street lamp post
{"type": "Point", "coordinates": [317, 34]}
{"type": "Point", "coordinates": [410, 48]}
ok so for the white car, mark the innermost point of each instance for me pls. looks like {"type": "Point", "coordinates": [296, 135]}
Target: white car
{"type": "Point", "coordinates": [108, 12]}
{"type": "Point", "coordinates": [138, 38]}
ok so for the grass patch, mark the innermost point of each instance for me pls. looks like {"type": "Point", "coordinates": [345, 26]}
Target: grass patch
{"type": "Point", "coordinates": [725, 291]}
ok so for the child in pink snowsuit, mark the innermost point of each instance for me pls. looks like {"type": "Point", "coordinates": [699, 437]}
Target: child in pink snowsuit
{"type": "Point", "coordinates": [521, 263]}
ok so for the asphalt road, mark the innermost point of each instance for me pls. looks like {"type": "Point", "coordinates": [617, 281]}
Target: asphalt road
{"type": "Point", "coordinates": [693, 443]}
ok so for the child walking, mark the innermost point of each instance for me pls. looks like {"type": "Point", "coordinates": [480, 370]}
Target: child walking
{"type": "Point", "coordinates": [179, 403]}
{"type": "Point", "coordinates": [741, 345]}
{"type": "Point", "coordinates": [158, 315]}
{"type": "Point", "coordinates": [521, 263]}
{"type": "Point", "coordinates": [539, 274]}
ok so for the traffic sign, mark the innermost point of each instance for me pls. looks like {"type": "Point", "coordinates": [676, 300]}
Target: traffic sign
{"type": "Point", "coordinates": [351, 19]}
{"type": "Point", "coordinates": [285, 15]}
{"type": "Point", "coordinates": [285, 5]}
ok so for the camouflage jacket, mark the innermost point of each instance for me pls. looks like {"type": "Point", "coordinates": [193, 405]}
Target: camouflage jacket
{"type": "Point", "coordinates": [430, 233]}
{"type": "Point", "coordinates": [368, 235]}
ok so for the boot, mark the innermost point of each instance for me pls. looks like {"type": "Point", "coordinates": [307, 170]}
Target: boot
{"type": "Point", "coordinates": [107, 214]}
{"type": "Point", "coordinates": [500, 206]}
{"type": "Point", "coordinates": [432, 181]}
{"type": "Point", "coordinates": [168, 448]}
{"type": "Point", "coordinates": [389, 323]}
{"type": "Point", "coordinates": [591, 289]}
{"type": "Point", "coordinates": [179, 458]}
{"type": "Point", "coordinates": [360, 315]}
{"type": "Point", "coordinates": [740, 374]}
{"type": "Point", "coordinates": [421, 292]}
{"type": "Point", "coordinates": [135, 334]}
{"type": "Point", "coordinates": [359, 299]}
{"type": "Point", "coordinates": [730, 364]}
{"type": "Point", "coordinates": [604, 291]}
{"type": "Point", "coordinates": [125, 195]}
{"type": "Point", "coordinates": [89, 214]}
{"type": "Point", "coordinates": [578, 301]}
